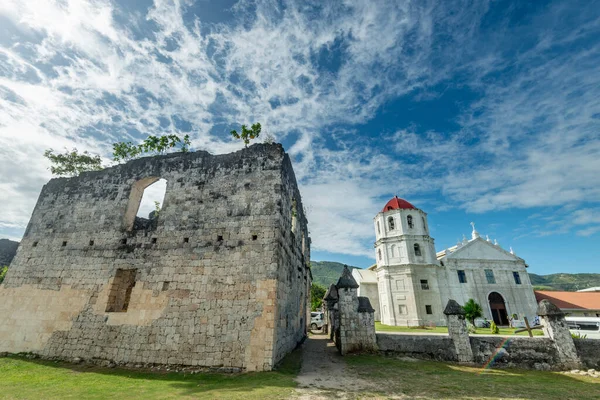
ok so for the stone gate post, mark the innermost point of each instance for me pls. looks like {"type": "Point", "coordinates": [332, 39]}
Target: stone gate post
{"type": "Point", "coordinates": [457, 329]}
{"type": "Point", "coordinates": [556, 328]}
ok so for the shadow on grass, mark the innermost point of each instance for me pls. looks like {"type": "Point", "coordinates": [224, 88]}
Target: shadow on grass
{"type": "Point", "coordinates": [433, 380]}
{"type": "Point", "coordinates": [37, 378]}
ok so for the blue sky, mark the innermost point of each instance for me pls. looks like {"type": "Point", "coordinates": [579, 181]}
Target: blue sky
{"type": "Point", "coordinates": [483, 111]}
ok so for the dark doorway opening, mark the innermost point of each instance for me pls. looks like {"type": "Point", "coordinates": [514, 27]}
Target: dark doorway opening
{"type": "Point", "coordinates": [498, 308]}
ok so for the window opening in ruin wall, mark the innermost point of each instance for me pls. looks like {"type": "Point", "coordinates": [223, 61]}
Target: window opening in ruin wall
{"type": "Point", "coordinates": [145, 195]}
{"type": "Point", "coordinates": [120, 291]}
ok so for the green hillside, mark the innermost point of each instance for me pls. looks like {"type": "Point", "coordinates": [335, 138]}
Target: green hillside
{"type": "Point", "coordinates": [326, 272]}
{"type": "Point", "coordinates": [566, 282]}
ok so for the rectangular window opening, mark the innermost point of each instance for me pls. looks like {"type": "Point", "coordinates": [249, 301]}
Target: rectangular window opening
{"type": "Point", "coordinates": [123, 241]}
{"type": "Point", "coordinates": [91, 242]}
{"type": "Point", "coordinates": [120, 290]}
{"type": "Point", "coordinates": [254, 237]}
{"type": "Point", "coordinates": [64, 243]}
{"type": "Point", "coordinates": [517, 278]}
{"type": "Point", "coordinates": [424, 284]}
{"type": "Point", "coordinates": [186, 240]}
{"type": "Point", "coordinates": [462, 277]}
{"type": "Point", "coordinates": [154, 240]}
{"type": "Point", "coordinates": [428, 309]}
{"type": "Point", "coordinates": [165, 286]}
{"type": "Point", "coordinates": [489, 276]}
{"type": "Point", "coordinates": [219, 238]}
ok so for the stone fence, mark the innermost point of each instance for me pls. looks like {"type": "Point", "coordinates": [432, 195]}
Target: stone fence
{"type": "Point", "coordinates": [557, 350]}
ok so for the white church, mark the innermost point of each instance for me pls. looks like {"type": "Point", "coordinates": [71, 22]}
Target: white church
{"type": "Point", "coordinates": [411, 284]}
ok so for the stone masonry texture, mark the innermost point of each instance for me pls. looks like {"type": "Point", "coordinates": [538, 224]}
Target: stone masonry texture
{"type": "Point", "coordinates": [220, 281]}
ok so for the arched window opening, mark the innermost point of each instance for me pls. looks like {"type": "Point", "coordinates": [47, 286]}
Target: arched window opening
{"type": "Point", "coordinates": [417, 249]}
{"type": "Point", "coordinates": [393, 251]}
{"type": "Point", "coordinates": [379, 252]}
{"type": "Point", "coordinates": [378, 228]}
{"type": "Point", "coordinates": [409, 221]}
{"type": "Point", "coordinates": [145, 203]}
{"type": "Point", "coordinates": [391, 223]}
{"type": "Point", "coordinates": [424, 224]}
{"type": "Point", "coordinates": [294, 215]}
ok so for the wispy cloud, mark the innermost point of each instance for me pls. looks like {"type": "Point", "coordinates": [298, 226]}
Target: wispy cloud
{"type": "Point", "coordinates": [87, 73]}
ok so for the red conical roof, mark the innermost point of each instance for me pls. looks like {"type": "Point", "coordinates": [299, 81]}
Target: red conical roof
{"type": "Point", "coordinates": [397, 204]}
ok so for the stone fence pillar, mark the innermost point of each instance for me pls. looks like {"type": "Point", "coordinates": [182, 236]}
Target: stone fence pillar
{"type": "Point", "coordinates": [458, 331]}
{"type": "Point", "coordinates": [556, 328]}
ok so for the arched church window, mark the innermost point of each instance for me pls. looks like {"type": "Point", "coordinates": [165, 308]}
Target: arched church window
{"type": "Point", "coordinates": [424, 224]}
{"type": "Point", "coordinates": [379, 252]}
{"type": "Point", "coordinates": [378, 228]}
{"type": "Point", "coordinates": [409, 221]}
{"type": "Point", "coordinates": [393, 251]}
{"type": "Point", "coordinates": [417, 249]}
{"type": "Point", "coordinates": [391, 223]}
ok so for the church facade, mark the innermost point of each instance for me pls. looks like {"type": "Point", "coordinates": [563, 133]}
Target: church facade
{"type": "Point", "coordinates": [410, 284]}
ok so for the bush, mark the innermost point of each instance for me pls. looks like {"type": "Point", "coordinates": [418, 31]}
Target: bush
{"type": "Point", "coordinates": [578, 335]}
{"type": "Point", "coordinates": [494, 329]}
{"type": "Point", "coordinates": [3, 271]}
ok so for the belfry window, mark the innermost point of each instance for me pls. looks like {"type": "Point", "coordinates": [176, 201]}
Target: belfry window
{"type": "Point", "coordinates": [391, 223]}
{"type": "Point", "coordinates": [379, 252]}
{"type": "Point", "coordinates": [417, 249]}
{"type": "Point", "coordinates": [378, 228]}
{"type": "Point", "coordinates": [517, 277]}
{"type": "Point", "coordinates": [409, 221]}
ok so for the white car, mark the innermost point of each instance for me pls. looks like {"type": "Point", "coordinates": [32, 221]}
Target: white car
{"type": "Point", "coordinates": [584, 326]}
{"type": "Point", "coordinates": [316, 320]}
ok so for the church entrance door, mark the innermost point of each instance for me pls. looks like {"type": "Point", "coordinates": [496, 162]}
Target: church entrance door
{"type": "Point", "coordinates": [498, 308]}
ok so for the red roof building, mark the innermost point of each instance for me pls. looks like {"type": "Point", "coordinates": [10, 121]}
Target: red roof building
{"type": "Point", "coordinates": [584, 304]}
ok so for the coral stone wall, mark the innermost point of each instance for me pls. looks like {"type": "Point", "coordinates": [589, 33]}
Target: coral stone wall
{"type": "Point", "coordinates": [220, 281]}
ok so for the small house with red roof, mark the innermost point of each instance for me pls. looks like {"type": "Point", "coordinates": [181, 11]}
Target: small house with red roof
{"type": "Point", "coordinates": [573, 304]}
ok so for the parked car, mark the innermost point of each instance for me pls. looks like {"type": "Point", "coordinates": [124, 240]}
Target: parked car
{"type": "Point", "coordinates": [584, 326]}
{"type": "Point", "coordinates": [316, 320]}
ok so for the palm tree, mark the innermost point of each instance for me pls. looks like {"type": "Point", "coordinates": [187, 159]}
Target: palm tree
{"type": "Point", "coordinates": [472, 310]}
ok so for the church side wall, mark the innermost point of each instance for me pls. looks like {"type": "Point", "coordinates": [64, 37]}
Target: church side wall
{"type": "Point", "coordinates": [207, 279]}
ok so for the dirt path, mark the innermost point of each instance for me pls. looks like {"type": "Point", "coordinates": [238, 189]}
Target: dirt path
{"type": "Point", "coordinates": [324, 374]}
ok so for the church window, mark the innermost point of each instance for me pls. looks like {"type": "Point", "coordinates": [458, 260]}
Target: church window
{"type": "Point", "coordinates": [402, 309]}
{"type": "Point", "coordinates": [391, 223]}
{"type": "Point", "coordinates": [424, 284]}
{"type": "Point", "coordinates": [489, 275]}
{"type": "Point", "coordinates": [462, 277]}
{"type": "Point", "coordinates": [409, 220]}
{"type": "Point", "coordinates": [424, 224]}
{"type": "Point", "coordinates": [120, 290]}
{"type": "Point", "coordinates": [393, 251]}
{"type": "Point", "coordinates": [428, 309]}
{"type": "Point", "coordinates": [378, 228]}
{"type": "Point", "coordinates": [517, 277]}
{"type": "Point", "coordinates": [379, 252]}
{"type": "Point", "coordinates": [417, 249]}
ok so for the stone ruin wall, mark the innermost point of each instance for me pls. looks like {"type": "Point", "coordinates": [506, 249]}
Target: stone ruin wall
{"type": "Point", "coordinates": [221, 282]}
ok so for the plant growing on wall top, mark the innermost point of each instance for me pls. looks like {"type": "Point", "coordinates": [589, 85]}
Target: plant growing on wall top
{"type": "Point", "coordinates": [125, 151]}
{"type": "Point", "coordinates": [72, 162]}
{"type": "Point", "coordinates": [246, 135]}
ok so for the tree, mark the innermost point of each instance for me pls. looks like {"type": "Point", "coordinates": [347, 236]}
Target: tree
{"type": "Point", "coordinates": [472, 310]}
{"type": "Point", "coordinates": [247, 134]}
{"type": "Point", "coordinates": [72, 163]}
{"type": "Point", "coordinates": [3, 271]}
{"type": "Point", "coordinates": [317, 292]}
{"type": "Point", "coordinates": [125, 151]}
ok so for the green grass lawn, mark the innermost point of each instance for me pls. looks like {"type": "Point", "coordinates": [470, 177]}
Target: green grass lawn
{"type": "Point", "coordinates": [436, 380]}
{"type": "Point", "coordinates": [21, 378]}
{"type": "Point", "coordinates": [379, 327]}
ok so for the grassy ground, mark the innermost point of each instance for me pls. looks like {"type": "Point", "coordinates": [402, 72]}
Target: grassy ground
{"type": "Point", "coordinates": [442, 329]}
{"type": "Point", "coordinates": [435, 380]}
{"type": "Point", "coordinates": [34, 379]}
